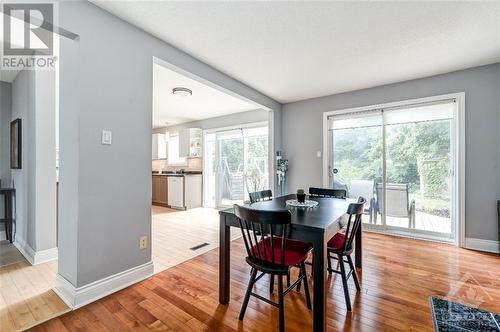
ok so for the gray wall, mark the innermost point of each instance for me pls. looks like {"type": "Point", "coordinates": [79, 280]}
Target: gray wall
{"type": "Point", "coordinates": [105, 191]}
{"type": "Point", "coordinates": [33, 101]}
{"type": "Point", "coordinates": [220, 121]}
{"type": "Point", "coordinates": [22, 104]}
{"type": "Point", "coordinates": [43, 159]}
{"type": "Point", "coordinates": [302, 135]}
{"type": "Point", "coordinates": [5, 116]}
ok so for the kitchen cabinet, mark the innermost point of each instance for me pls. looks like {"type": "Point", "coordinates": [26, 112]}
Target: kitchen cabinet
{"type": "Point", "coordinates": [190, 141]}
{"type": "Point", "coordinates": [193, 185]}
{"type": "Point", "coordinates": [160, 147]}
{"type": "Point", "coordinates": [176, 192]}
{"type": "Point", "coordinates": [160, 190]}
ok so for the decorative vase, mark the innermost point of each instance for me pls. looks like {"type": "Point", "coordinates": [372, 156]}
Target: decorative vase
{"type": "Point", "coordinates": [301, 196]}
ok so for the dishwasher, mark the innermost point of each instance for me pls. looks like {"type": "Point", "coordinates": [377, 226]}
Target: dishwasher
{"type": "Point", "coordinates": [176, 192]}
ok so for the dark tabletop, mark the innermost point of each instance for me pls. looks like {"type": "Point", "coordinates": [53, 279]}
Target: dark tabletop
{"type": "Point", "coordinates": [321, 217]}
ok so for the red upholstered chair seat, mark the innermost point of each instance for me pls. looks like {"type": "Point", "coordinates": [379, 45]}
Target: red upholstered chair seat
{"type": "Point", "coordinates": [336, 242]}
{"type": "Point", "coordinates": [295, 251]}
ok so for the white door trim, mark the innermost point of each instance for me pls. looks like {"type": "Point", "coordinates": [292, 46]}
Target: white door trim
{"type": "Point", "coordinates": [459, 168]}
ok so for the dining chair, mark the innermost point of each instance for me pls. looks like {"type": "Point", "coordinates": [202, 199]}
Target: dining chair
{"type": "Point", "coordinates": [259, 196]}
{"type": "Point", "coordinates": [325, 192]}
{"type": "Point", "coordinates": [341, 245]}
{"type": "Point", "coordinates": [272, 254]}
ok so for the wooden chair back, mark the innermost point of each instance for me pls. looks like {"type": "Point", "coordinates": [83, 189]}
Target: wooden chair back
{"type": "Point", "coordinates": [259, 226]}
{"type": "Point", "coordinates": [324, 192]}
{"type": "Point", "coordinates": [355, 213]}
{"type": "Point", "coordinates": [259, 196]}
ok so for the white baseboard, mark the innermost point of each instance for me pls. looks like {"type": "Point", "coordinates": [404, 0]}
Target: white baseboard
{"type": "Point", "coordinates": [25, 249]}
{"type": "Point", "coordinates": [35, 257]}
{"type": "Point", "coordinates": [76, 297]}
{"type": "Point", "coordinates": [482, 245]}
{"type": "Point", "coordinates": [46, 255]}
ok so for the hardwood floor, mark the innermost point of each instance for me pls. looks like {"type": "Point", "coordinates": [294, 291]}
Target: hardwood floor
{"type": "Point", "coordinates": [26, 295]}
{"type": "Point", "coordinates": [398, 277]}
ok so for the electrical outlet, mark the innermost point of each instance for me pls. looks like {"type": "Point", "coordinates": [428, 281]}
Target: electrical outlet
{"type": "Point", "coordinates": [143, 242]}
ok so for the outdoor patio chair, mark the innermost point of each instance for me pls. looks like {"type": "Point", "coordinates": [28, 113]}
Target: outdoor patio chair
{"type": "Point", "coordinates": [365, 189]}
{"type": "Point", "coordinates": [398, 202]}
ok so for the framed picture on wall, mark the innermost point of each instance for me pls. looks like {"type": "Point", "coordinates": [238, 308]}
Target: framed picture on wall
{"type": "Point", "coordinates": [15, 144]}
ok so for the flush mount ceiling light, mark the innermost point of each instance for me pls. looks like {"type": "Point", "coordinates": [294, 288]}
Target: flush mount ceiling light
{"type": "Point", "coordinates": [185, 92]}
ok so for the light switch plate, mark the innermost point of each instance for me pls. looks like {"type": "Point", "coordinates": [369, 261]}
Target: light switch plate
{"type": "Point", "coordinates": [107, 137]}
{"type": "Point", "coordinates": [318, 154]}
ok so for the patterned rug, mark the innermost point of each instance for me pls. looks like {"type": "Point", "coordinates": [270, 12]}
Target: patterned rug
{"type": "Point", "coordinates": [454, 317]}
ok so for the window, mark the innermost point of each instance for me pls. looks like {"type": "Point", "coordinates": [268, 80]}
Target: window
{"type": "Point", "coordinates": [173, 151]}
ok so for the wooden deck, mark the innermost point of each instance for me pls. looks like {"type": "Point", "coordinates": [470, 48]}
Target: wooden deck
{"type": "Point", "coordinates": [423, 221]}
{"type": "Point", "coordinates": [398, 277]}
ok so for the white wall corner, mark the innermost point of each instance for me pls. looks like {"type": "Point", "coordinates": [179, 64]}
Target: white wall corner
{"type": "Point", "coordinates": [35, 257]}
{"type": "Point", "coordinates": [482, 245]}
{"type": "Point", "coordinates": [76, 297]}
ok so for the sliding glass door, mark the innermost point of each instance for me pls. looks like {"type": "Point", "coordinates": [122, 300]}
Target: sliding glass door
{"type": "Point", "coordinates": [401, 161]}
{"type": "Point", "coordinates": [236, 163]}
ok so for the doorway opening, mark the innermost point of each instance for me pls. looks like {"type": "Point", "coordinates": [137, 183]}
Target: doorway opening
{"type": "Point", "coordinates": [195, 134]}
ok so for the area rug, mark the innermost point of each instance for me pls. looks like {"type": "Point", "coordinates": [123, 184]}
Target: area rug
{"type": "Point", "coordinates": [455, 317]}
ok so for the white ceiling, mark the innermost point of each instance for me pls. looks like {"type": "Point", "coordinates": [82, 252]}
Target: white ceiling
{"type": "Point", "coordinates": [206, 102]}
{"type": "Point", "coordinates": [298, 50]}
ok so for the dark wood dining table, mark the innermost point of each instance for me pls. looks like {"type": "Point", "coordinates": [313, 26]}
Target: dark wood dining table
{"type": "Point", "coordinates": [315, 225]}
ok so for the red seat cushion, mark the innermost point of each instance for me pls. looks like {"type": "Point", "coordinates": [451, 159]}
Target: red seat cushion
{"type": "Point", "coordinates": [337, 241]}
{"type": "Point", "coordinates": [295, 251]}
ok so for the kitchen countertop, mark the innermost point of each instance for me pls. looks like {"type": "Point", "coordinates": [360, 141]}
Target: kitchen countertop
{"type": "Point", "coordinates": [178, 174]}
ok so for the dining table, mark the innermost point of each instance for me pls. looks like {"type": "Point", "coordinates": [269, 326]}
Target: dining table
{"type": "Point", "coordinates": [315, 225]}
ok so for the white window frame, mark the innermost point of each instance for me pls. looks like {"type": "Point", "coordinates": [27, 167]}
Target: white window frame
{"type": "Point", "coordinates": [459, 167]}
